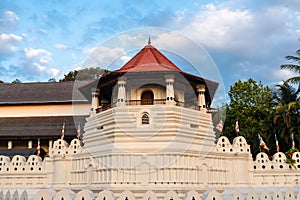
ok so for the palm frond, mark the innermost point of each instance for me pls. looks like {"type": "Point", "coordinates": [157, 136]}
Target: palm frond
{"type": "Point", "coordinates": [294, 58]}
{"type": "Point", "coordinates": [292, 67]}
{"type": "Point", "coordinates": [294, 80]}
{"type": "Point", "coordinates": [275, 118]}
{"type": "Point", "coordinates": [294, 105]}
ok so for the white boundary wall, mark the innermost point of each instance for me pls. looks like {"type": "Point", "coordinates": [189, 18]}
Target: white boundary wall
{"type": "Point", "coordinates": [228, 169]}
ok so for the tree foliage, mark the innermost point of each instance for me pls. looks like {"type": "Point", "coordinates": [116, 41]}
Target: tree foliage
{"type": "Point", "coordinates": [52, 80]}
{"type": "Point", "coordinates": [293, 67]}
{"type": "Point", "coordinates": [16, 81]}
{"type": "Point", "coordinates": [251, 104]}
{"type": "Point", "coordinates": [286, 115]}
{"type": "Point", "coordinates": [84, 74]}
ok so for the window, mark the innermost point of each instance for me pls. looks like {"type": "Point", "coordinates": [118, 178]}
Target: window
{"type": "Point", "coordinates": [145, 118]}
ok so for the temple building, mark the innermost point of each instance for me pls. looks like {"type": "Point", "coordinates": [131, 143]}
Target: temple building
{"type": "Point", "coordinates": [148, 135]}
{"type": "Point", "coordinates": [33, 111]}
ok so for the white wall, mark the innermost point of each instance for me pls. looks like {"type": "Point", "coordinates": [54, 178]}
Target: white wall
{"type": "Point", "coordinates": [44, 110]}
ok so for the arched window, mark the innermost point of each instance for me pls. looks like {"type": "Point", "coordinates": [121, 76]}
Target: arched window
{"type": "Point", "coordinates": [147, 98]}
{"type": "Point", "coordinates": [145, 118]}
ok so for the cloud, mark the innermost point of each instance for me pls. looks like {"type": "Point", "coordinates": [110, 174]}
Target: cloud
{"type": "Point", "coordinates": [8, 44]}
{"type": "Point", "coordinates": [61, 46]}
{"type": "Point", "coordinates": [8, 20]}
{"type": "Point", "coordinates": [54, 72]}
{"type": "Point", "coordinates": [283, 74]}
{"type": "Point", "coordinates": [102, 56]}
{"type": "Point", "coordinates": [41, 55]}
{"type": "Point", "coordinates": [245, 42]}
{"type": "Point", "coordinates": [217, 27]}
{"type": "Point", "coordinates": [36, 62]}
{"type": "Point", "coordinates": [240, 31]}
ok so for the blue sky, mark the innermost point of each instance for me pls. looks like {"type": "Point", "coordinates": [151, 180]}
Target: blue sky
{"type": "Point", "coordinates": [40, 40]}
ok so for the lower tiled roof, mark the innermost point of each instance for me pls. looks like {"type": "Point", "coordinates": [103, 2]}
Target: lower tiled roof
{"type": "Point", "coordinates": [39, 93]}
{"type": "Point", "coordinates": [12, 152]}
{"type": "Point", "coordinates": [42, 127]}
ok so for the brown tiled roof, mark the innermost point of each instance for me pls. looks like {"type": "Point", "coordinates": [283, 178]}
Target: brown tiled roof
{"type": "Point", "coordinates": [42, 127]}
{"type": "Point", "coordinates": [48, 92]}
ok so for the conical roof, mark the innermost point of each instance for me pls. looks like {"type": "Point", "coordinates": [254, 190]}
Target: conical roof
{"type": "Point", "coordinates": [149, 59]}
{"type": "Point", "coordinates": [147, 62]}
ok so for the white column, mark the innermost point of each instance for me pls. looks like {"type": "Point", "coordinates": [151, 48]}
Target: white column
{"type": "Point", "coordinates": [29, 144]}
{"type": "Point", "coordinates": [201, 96]}
{"type": "Point", "coordinates": [9, 144]}
{"type": "Point", "coordinates": [121, 100]}
{"type": "Point", "coordinates": [95, 100]}
{"type": "Point", "coordinates": [170, 96]}
{"type": "Point", "coordinates": [50, 144]}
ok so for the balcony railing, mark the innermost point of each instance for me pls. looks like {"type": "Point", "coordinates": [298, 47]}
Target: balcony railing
{"type": "Point", "coordinates": [149, 102]}
{"type": "Point", "coordinates": [145, 102]}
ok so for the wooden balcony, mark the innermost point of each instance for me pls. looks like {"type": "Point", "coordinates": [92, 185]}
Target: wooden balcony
{"type": "Point", "coordinates": [147, 102]}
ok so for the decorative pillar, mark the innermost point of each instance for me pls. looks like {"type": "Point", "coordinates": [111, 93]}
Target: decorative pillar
{"type": "Point", "coordinates": [170, 96]}
{"type": "Point", "coordinates": [95, 100]}
{"type": "Point", "coordinates": [29, 144]}
{"type": "Point", "coordinates": [9, 144]}
{"type": "Point", "coordinates": [121, 100]}
{"type": "Point", "coordinates": [50, 144]}
{"type": "Point", "coordinates": [201, 96]}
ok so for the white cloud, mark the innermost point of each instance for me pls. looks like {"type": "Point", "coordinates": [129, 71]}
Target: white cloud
{"type": "Point", "coordinates": [134, 41]}
{"type": "Point", "coordinates": [54, 72]}
{"type": "Point", "coordinates": [42, 31]}
{"type": "Point", "coordinates": [243, 32]}
{"type": "Point", "coordinates": [36, 62]}
{"type": "Point", "coordinates": [258, 37]}
{"type": "Point", "coordinates": [9, 44]}
{"type": "Point", "coordinates": [61, 46]}
{"type": "Point", "coordinates": [11, 15]}
{"type": "Point", "coordinates": [8, 20]}
{"type": "Point", "coordinates": [39, 67]}
{"type": "Point", "coordinates": [102, 56]}
{"type": "Point", "coordinates": [218, 27]}
{"type": "Point", "coordinates": [283, 74]}
{"type": "Point", "coordinates": [88, 50]}
{"type": "Point", "coordinates": [125, 58]}
{"type": "Point", "coordinates": [42, 55]}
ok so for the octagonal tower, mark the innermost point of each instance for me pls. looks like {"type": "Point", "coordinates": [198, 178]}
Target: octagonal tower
{"type": "Point", "coordinates": [148, 117]}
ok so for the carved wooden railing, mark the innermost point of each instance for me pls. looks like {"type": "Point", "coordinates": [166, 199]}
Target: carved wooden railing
{"type": "Point", "coordinates": [150, 102]}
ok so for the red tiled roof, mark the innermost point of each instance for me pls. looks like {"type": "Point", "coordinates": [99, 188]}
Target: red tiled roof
{"type": "Point", "coordinates": [149, 59]}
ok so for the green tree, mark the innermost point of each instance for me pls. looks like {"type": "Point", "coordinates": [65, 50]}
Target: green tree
{"type": "Point", "coordinates": [293, 67]}
{"type": "Point", "coordinates": [285, 93]}
{"type": "Point", "coordinates": [52, 80]}
{"type": "Point", "coordinates": [286, 115]}
{"type": "Point", "coordinates": [251, 104]}
{"type": "Point", "coordinates": [85, 74]}
{"type": "Point", "coordinates": [1, 81]}
{"type": "Point", "coordinates": [287, 111]}
{"type": "Point", "coordinates": [16, 81]}
{"type": "Point", "coordinates": [287, 118]}
{"type": "Point", "coordinates": [71, 76]}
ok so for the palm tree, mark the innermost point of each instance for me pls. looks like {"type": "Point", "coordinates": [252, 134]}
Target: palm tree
{"type": "Point", "coordinates": [286, 115]}
{"type": "Point", "coordinates": [288, 108]}
{"type": "Point", "coordinates": [285, 94]}
{"type": "Point", "coordinates": [293, 67]}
